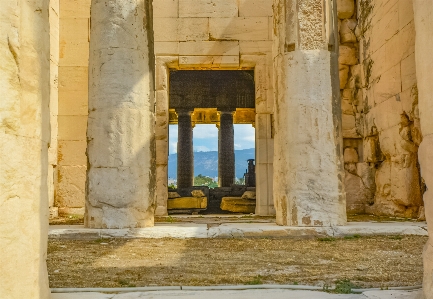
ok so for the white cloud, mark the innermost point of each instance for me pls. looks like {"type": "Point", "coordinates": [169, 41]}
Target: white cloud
{"type": "Point", "coordinates": [205, 131]}
{"type": "Point", "coordinates": [201, 148]}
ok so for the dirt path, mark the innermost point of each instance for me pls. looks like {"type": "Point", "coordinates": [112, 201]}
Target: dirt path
{"type": "Point", "coordinates": [366, 262]}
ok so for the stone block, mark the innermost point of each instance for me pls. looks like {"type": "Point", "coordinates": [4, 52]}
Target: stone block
{"type": "Point", "coordinates": [166, 29]}
{"type": "Point", "coordinates": [73, 90]}
{"type": "Point", "coordinates": [208, 9]}
{"type": "Point", "coordinates": [347, 31]}
{"type": "Point", "coordinates": [239, 28]}
{"type": "Point", "coordinates": [165, 9]}
{"type": "Point", "coordinates": [238, 205]}
{"type": "Point", "coordinates": [256, 47]}
{"type": "Point", "coordinates": [389, 84]}
{"type": "Point", "coordinates": [209, 61]}
{"type": "Point", "coordinates": [405, 13]}
{"type": "Point", "coordinates": [343, 75]}
{"type": "Point", "coordinates": [72, 153]}
{"type": "Point", "coordinates": [193, 29]}
{"type": "Point", "coordinates": [348, 55]}
{"type": "Point", "coordinates": [166, 48]}
{"type": "Point", "coordinates": [173, 195]}
{"type": "Point", "coordinates": [249, 195]}
{"type": "Point", "coordinates": [183, 203]}
{"type": "Point", "coordinates": [72, 127]}
{"type": "Point", "coordinates": [400, 45]}
{"type": "Point", "coordinates": [350, 155]}
{"type": "Point", "coordinates": [74, 42]}
{"type": "Point", "coordinates": [75, 9]}
{"type": "Point", "coordinates": [209, 48]}
{"type": "Point", "coordinates": [348, 122]}
{"type": "Point", "coordinates": [255, 8]}
{"type": "Point", "coordinates": [71, 184]}
{"type": "Point", "coordinates": [345, 8]}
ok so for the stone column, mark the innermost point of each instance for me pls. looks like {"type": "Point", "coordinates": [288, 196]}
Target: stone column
{"type": "Point", "coordinates": [120, 133]}
{"type": "Point", "coordinates": [185, 151]}
{"type": "Point", "coordinates": [24, 139]}
{"type": "Point", "coordinates": [226, 150]}
{"type": "Point", "coordinates": [308, 168]}
{"type": "Point", "coordinates": [423, 10]}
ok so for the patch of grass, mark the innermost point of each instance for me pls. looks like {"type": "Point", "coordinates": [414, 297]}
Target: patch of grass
{"type": "Point", "coordinates": [327, 239]}
{"type": "Point", "coordinates": [352, 237]}
{"type": "Point", "coordinates": [256, 280]}
{"type": "Point", "coordinates": [295, 283]}
{"type": "Point", "coordinates": [344, 286]}
{"type": "Point", "coordinates": [125, 283]}
{"type": "Point", "coordinates": [171, 219]}
{"type": "Point", "coordinates": [102, 240]}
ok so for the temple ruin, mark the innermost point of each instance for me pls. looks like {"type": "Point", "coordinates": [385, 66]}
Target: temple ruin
{"type": "Point", "coordinates": [339, 93]}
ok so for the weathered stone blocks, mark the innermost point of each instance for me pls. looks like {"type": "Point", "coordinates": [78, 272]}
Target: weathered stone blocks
{"type": "Point", "coordinates": [121, 148]}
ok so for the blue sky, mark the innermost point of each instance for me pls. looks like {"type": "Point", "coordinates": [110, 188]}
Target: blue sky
{"type": "Point", "coordinates": [206, 138]}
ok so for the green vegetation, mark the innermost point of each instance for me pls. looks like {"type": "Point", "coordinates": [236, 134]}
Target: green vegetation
{"type": "Point", "coordinates": [256, 280]}
{"type": "Point", "coordinates": [202, 180]}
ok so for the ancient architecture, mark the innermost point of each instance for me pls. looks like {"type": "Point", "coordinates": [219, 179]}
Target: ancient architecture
{"type": "Point", "coordinates": [339, 92]}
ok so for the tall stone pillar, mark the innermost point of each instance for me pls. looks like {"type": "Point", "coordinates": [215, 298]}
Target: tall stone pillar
{"type": "Point", "coordinates": [226, 150]}
{"type": "Point", "coordinates": [308, 169]}
{"type": "Point", "coordinates": [120, 133]}
{"type": "Point", "coordinates": [24, 139]}
{"type": "Point", "coordinates": [423, 10]}
{"type": "Point", "coordinates": [185, 151]}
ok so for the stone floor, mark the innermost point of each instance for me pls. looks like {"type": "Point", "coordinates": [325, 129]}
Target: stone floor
{"type": "Point", "coordinates": [232, 230]}
{"type": "Point", "coordinates": [241, 294]}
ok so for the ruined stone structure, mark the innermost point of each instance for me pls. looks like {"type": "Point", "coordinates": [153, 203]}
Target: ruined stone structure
{"type": "Point", "coordinates": [342, 111]}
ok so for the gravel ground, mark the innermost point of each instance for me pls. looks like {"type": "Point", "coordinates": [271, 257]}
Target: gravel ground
{"type": "Point", "coordinates": [364, 261]}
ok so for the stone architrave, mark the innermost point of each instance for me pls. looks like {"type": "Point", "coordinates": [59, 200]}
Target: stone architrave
{"type": "Point", "coordinates": [423, 10]}
{"type": "Point", "coordinates": [185, 150]}
{"type": "Point", "coordinates": [226, 150]}
{"type": "Point", "coordinates": [308, 167]}
{"type": "Point", "coordinates": [121, 147]}
{"type": "Point", "coordinates": [24, 139]}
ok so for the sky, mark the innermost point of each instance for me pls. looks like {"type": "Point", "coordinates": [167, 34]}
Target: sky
{"type": "Point", "coordinates": [206, 138]}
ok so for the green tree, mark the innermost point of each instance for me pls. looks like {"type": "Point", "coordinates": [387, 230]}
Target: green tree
{"type": "Point", "coordinates": [202, 180]}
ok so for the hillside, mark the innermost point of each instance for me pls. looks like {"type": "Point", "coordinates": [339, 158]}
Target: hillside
{"type": "Point", "coordinates": [206, 163]}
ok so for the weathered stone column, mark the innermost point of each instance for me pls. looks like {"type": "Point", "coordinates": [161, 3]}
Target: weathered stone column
{"type": "Point", "coordinates": [226, 150]}
{"type": "Point", "coordinates": [185, 150]}
{"type": "Point", "coordinates": [423, 10]}
{"type": "Point", "coordinates": [24, 139]}
{"type": "Point", "coordinates": [308, 168]}
{"type": "Point", "coordinates": [120, 132]}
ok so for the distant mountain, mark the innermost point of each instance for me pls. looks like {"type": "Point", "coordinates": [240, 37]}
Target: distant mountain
{"type": "Point", "coordinates": [206, 163]}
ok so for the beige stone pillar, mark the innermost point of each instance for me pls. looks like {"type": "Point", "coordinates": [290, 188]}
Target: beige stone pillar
{"type": "Point", "coordinates": [24, 138]}
{"type": "Point", "coordinates": [423, 10]}
{"type": "Point", "coordinates": [308, 169]}
{"type": "Point", "coordinates": [121, 146]}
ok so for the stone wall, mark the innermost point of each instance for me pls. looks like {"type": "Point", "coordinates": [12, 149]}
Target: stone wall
{"type": "Point", "coordinates": [73, 105]}
{"type": "Point", "coordinates": [226, 34]}
{"type": "Point", "coordinates": [387, 114]}
{"type": "Point", "coordinates": [359, 174]}
{"type": "Point", "coordinates": [24, 139]}
{"type": "Point", "coordinates": [54, 102]}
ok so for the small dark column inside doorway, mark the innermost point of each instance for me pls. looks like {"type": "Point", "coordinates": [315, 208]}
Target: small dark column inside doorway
{"type": "Point", "coordinates": [226, 150]}
{"type": "Point", "coordinates": [185, 153]}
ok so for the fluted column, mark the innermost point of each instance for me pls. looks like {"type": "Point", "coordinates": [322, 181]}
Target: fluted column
{"type": "Point", "coordinates": [226, 151]}
{"type": "Point", "coordinates": [185, 151]}
{"type": "Point", "coordinates": [308, 169]}
{"type": "Point", "coordinates": [120, 133]}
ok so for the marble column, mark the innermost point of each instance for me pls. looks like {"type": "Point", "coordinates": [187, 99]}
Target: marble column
{"type": "Point", "coordinates": [423, 17]}
{"type": "Point", "coordinates": [226, 151]}
{"type": "Point", "coordinates": [308, 169]}
{"type": "Point", "coordinates": [120, 132]}
{"type": "Point", "coordinates": [185, 150]}
{"type": "Point", "coordinates": [24, 142]}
